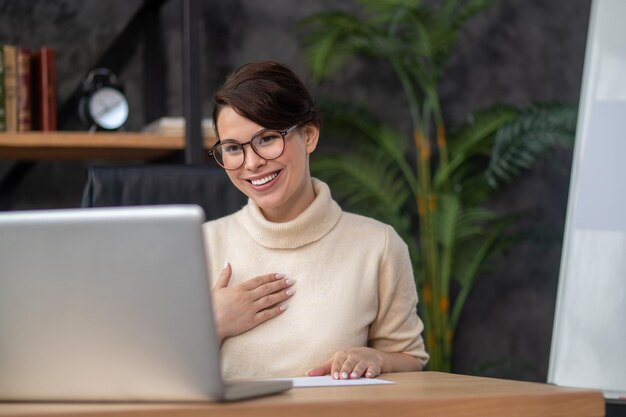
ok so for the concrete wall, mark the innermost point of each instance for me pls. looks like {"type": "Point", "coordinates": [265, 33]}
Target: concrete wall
{"type": "Point", "coordinates": [517, 52]}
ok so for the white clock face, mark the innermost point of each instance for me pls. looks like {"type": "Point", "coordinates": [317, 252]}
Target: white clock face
{"type": "Point", "coordinates": [108, 108]}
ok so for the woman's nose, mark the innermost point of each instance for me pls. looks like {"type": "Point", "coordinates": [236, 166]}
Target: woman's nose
{"type": "Point", "coordinates": [253, 161]}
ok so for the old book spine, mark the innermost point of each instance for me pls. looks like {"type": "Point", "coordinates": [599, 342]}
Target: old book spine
{"type": "Point", "coordinates": [44, 91]}
{"type": "Point", "coordinates": [10, 88]}
{"type": "Point", "coordinates": [24, 113]}
{"type": "Point", "coordinates": [2, 103]}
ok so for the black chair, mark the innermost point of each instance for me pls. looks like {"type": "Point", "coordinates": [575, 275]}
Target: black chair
{"type": "Point", "coordinates": [206, 186]}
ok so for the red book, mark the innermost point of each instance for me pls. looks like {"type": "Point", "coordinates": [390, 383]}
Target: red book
{"type": "Point", "coordinates": [23, 90]}
{"type": "Point", "coordinates": [10, 88]}
{"type": "Point", "coordinates": [2, 103]}
{"type": "Point", "coordinates": [44, 89]}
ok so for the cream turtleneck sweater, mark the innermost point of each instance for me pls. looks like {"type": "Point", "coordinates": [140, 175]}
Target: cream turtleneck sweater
{"type": "Point", "coordinates": [354, 287]}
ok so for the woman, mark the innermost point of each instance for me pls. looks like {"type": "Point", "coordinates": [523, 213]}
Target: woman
{"type": "Point", "coordinates": [354, 313]}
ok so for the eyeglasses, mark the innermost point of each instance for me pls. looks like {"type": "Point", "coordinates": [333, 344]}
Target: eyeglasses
{"type": "Point", "coordinates": [268, 144]}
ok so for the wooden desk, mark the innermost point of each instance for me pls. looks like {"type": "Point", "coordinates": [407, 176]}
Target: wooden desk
{"type": "Point", "coordinates": [83, 145]}
{"type": "Point", "coordinates": [416, 394]}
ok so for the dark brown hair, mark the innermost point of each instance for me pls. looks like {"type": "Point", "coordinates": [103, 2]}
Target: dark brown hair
{"type": "Point", "coordinates": [267, 93]}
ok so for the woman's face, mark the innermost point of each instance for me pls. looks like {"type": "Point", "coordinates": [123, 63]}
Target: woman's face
{"type": "Point", "coordinates": [280, 187]}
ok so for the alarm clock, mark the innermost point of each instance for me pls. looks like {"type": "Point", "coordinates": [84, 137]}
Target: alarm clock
{"type": "Point", "coordinates": [102, 105]}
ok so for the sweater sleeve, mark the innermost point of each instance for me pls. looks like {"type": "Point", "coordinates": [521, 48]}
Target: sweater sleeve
{"type": "Point", "coordinates": [397, 328]}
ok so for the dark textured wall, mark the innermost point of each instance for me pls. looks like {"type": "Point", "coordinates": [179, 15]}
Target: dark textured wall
{"type": "Point", "coordinates": [517, 52]}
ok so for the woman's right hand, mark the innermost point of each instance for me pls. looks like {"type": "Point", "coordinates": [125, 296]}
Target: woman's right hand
{"type": "Point", "coordinates": [246, 305]}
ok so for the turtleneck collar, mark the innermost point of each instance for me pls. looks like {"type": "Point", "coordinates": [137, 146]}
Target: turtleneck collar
{"type": "Point", "coordinates": [311, 225]}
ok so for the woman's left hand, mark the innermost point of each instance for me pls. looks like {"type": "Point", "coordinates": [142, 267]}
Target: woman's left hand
{"type": "Point", "coordinates": [351, 363]}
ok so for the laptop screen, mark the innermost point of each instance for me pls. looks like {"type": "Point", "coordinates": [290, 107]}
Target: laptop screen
{"type": "Point", "coordinates": [108, 303]}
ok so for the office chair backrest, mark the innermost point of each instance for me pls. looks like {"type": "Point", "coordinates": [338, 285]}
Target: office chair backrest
{"type": "Point", "coordinates": [207, 186]}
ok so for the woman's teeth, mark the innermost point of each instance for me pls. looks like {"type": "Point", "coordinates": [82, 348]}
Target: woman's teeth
{"type": "Point", "coordinates": [264, 180]}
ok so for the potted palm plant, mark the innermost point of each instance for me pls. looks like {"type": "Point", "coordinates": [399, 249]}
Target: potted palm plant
{"type": "Point", "coordinates": [431, 184]}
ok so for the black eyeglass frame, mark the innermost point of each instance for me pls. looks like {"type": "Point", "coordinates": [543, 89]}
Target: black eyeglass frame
{"type": "Point", "coordinates": [282, 133]}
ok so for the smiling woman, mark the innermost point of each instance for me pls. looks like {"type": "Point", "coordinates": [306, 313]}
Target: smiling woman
{"type": "Point", "coordinates": [279, 181]}
{"type": "Point", "coordinates": [355, 313]}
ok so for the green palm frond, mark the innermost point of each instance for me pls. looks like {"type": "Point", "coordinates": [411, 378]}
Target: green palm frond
{"type": "Point", "coordinates": [473, 139]}
{"type": "Point", "coordinates": [470, 258]}
{"type": "Point", "coordinates": [386, 7]}
{"type": "Point", "coordinates": [327, 50]}
{"type": "Point", "coordinates": [456, 227]}
{"type": "Point", "coordinates": [368, 183]}
{"type": "Point", "coordinates": [417, 36]}
{"type": "Point", "coordinates": [445, 219]}
{"type": "Point", "coordinates": [332, 38]}
{"type": "Point", "coordinates": [458, 11]}
{"type": "Point", "coordinates": [440, 24]}
{"type": "Point", "coordinates": [355, 124]}
{"type": "Point", "coordinates": [472, 136]}
{"type": "Point", "coordinates": [471, 223]}
{"type": "Point", "coordinates": [528, 137]}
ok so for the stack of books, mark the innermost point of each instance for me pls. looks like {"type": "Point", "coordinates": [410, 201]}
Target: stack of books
{"type": "Point", "coordinates": [27, 89]}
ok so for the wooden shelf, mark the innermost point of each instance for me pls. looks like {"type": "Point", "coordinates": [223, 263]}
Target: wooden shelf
{"type": "Point", "coordinates": [84, 145]}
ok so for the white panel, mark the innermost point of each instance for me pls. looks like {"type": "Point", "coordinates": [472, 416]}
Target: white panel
{"type": "Point", "coordinates": [589, 338]}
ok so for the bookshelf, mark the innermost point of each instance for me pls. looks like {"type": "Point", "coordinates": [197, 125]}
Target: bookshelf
{"type": "Point", "coordinates": [25, 149]}
{"type": "Point", "coordinates": [117, 146]}
{"type": "Point", "coordinates": [38, 145]}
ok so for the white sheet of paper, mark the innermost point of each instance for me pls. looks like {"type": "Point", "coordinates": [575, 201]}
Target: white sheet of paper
{"type": "Point", "coordinates": [327, 381]}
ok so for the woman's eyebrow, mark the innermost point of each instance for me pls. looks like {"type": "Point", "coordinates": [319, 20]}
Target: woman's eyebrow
{"type": "Point", "coordinates": [251, 137]}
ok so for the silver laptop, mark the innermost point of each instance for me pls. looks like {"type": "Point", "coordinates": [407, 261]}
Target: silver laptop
{"type": "Point", "coordinates": [110, 304]}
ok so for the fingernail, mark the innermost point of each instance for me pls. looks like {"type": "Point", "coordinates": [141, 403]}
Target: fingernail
{"type": "Point", "coordinates": [283, 307]}
{"type": "Point", "coordinates": [354, 375]}
{"type": "Point", "coordinates": [279, 276]}
{"type": "Point", "coordinates": [225, 264]}
{"type": "Point", "coordinates": [369, 374]}
{"type": "Point", "coordinates": [290, 281]}
{"type": "Point", "coordinates": [307, 372]}
{"type": "Point", "coordinates": [336, 375]}
{"type": "Point", "coordinates": [290, 291]}
{"type": "Point", "coordinates": [344, 375]}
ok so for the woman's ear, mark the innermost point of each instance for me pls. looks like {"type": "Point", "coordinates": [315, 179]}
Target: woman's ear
{"type": "Point", "coordinates": [311, 136]}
